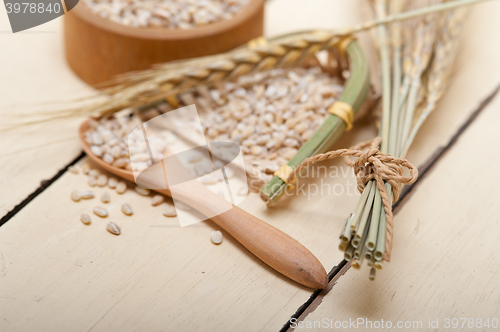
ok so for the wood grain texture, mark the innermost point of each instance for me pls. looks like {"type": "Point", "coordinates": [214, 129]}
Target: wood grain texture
{"type": "Point", "coordinates": [98, 49]}
{"type": "Point", "coordinates": [57, 274]}
{"type": "Point", "coordinates": [154, 276]}
{"type": "Point", "coordinates": [34, 72]}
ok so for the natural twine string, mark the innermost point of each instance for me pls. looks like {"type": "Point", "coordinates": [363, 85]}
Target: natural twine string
{"type": "Point", "coordinates": [371, 164]}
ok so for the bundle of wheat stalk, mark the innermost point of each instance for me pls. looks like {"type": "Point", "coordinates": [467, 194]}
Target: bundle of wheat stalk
{"type": "Point", "coordinates": [414, 77]}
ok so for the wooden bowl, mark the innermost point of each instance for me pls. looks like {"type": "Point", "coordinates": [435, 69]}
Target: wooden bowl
{"type": "Point", "coordinates": [97, 49]}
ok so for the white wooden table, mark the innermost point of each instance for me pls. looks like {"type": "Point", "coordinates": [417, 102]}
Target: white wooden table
{"type": "Point", "coordinates": [57, 274]}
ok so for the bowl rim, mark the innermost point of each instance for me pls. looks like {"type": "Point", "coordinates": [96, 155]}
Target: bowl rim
{"type": "Point", "coordinates": [248, 12]}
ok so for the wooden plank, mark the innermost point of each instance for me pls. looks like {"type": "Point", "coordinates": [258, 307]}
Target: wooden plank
{"type": "Point", "coordinates": [150, 277]}
{"type": "Point", "coordinates": [57, 273]}
{"type": "Point", "coordinates": [34, 71]}
{"type": "Point", "coordinates": [47, 273]}
{"type": "Point", "coordinates": [445, 262]}
{"type": "Point", "coordinates": [153, 276]}
{"type": "Point", "coordinates": [473, 64]}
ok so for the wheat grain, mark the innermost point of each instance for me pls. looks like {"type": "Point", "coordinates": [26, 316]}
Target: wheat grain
{"type": "Point", "coordinates": [102, 180]}
{"type": "Point", "coordinates": [127, 209]}
{"type": "Point", "coordinates": [112, 182]}
{"type": "Point", "coordinates": [75, 195]}
{"type": "Point", "coordinates": [170, 212]}
{"type": "Point", "coordinates": [100, 211]}
{"type": "Point", "coordinates": [92, 181]}
{"type": "Point", "coordinates": [86, 168]}
{"type": "Point", "coordinates": [142, 191]}
{"type": "Point", "coordinates": [113, 228]}
{"type": "Point", "coordinates": [94, 173]}
{"type": "Point", "coordinates": [87, 194]}
{"type": "Point", "coordinates": [73, 169]}
{"type": "Point", "coordinates": [105, 198]}
{"type": "Point", "coordinates": [216, 237]}
{"type": "Point", "coordinates": [157, 200]}
{"type": "Point", "coordinates": [85, 218]}
{"type": "Point", "coordinates": [121, 187]}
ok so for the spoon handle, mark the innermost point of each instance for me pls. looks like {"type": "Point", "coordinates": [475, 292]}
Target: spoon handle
{"type": "Point", "coordinates": [272, 246]}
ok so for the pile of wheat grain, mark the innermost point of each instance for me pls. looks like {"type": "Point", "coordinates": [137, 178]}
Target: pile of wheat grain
{"type": "Point", "coordinates": [270, 115]}
{"type": "Point", "coordinates": [185, 14]}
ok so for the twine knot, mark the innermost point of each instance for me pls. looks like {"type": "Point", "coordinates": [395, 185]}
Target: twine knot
{"type": "Point", "coordinates": [365, 156]}
{"type": "Point", "coordinates": [371, 164]}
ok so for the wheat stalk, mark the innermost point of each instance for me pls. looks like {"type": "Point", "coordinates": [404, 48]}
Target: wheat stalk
{"type": "Point", "coordinates": [420, 74]}
{"type": "Point", "coordinates": [136, 89]}
{"type": "Point", "coordinates": [439, 73]}
{"type": "Point", "coordinates": [424, 33]}
{"type": "Point", "coordinates": [147, 86]}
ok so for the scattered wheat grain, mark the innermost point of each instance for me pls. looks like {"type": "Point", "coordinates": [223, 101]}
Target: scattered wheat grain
{"type": "Point", "coordinates": [142, 191]}
{"type": "Point", "coordinates": [75, 195]}
{"type": "Point", "coordinates": [113, 228]}
{"type": "Point", "coordinates": [170, 212]}
{"type": "Point", "coordinates": [102, 180]}
{"type": "Point", "coordinates": [100, 211]}
{"type": "Point", "coordinates": [121, 187]}
{"type": "Point", "coordinates": [73, 169]}
{"type": "Point", "coordinates": [157, 200]}
{"type": "Point", "coordinates": [112, 182]}
{"type": "Point", "coordinates": [127, 209]}
{"type": "Point", "coordinates": [105, 198]}
{"type": "Point", "coordinates": [85, 218]}
{"type": "Point", "coordinates": [87, 194]}
{"type": "Point", "coordinates": [216, 237]}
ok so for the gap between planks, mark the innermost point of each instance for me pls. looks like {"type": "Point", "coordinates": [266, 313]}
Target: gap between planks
{"type": "Point", "coordinates": [44, 184]}
{"type": "Point", "coordinates": [339, 270]}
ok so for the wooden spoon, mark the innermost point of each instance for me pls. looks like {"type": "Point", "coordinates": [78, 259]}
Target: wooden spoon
{"type": "Point", "coordinates": [269, 244]}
